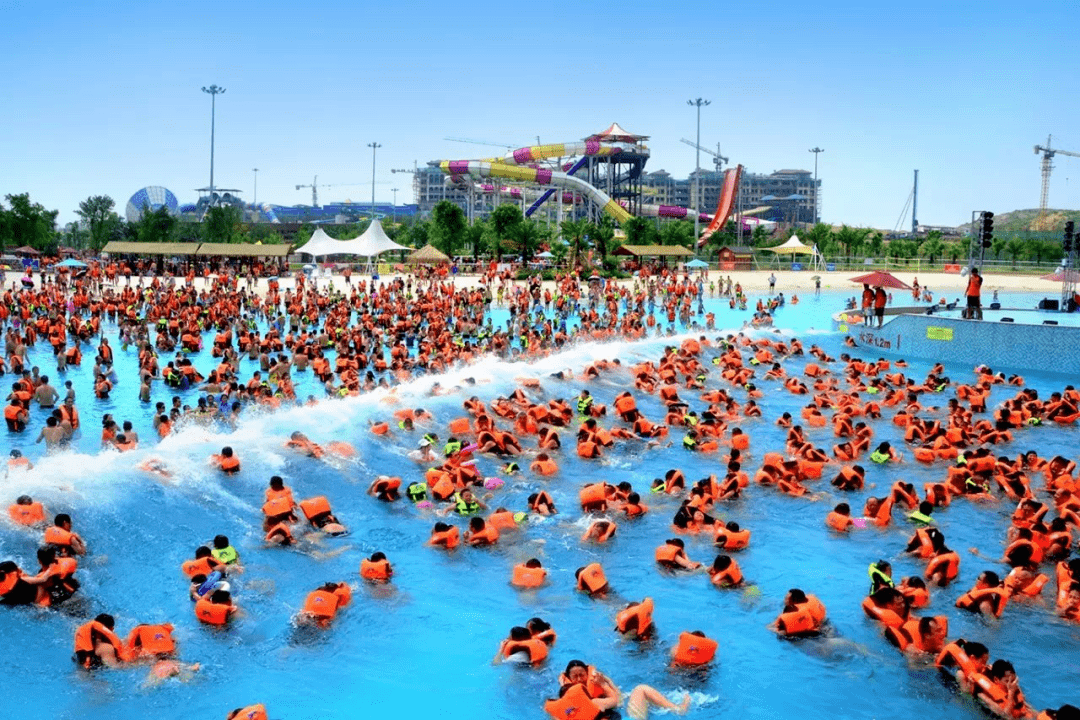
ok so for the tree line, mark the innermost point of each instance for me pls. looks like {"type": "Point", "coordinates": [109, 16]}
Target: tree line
{"type": "Point", "coordinates": [504, 232]}
{"type": "Point", "coordinates": [26, 223]}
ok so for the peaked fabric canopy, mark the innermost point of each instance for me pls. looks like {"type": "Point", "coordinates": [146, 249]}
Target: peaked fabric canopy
{"type": "Point", "coordinates": [793, 246]}
{"type": "Point", "coordinates": [615, 133]}
{"type": "Point", "coordinates": [374, 241]}
{"type": "Point", "coordinates": [320, 245]}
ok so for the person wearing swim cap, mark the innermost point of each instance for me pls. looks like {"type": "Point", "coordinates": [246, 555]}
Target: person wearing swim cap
{"type": "Point", "coordinates": [424, 452]}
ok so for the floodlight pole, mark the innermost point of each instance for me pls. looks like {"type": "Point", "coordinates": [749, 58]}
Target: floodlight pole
{"type": "Point", "coordinates": [374, 146]}
{"type": "Point", "coordinates": [213, 91]}
{"type": "Point", "coordinates": [817, 212]}
{"type": "Point", "coordinates": [698, 103]}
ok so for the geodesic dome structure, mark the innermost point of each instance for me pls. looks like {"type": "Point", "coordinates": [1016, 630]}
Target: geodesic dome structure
{"type": "Point", "coordinates": [153, 197]}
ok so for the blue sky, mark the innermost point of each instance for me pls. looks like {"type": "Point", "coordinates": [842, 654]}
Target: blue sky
{"type": "Point", "coordinates": [104, 97]}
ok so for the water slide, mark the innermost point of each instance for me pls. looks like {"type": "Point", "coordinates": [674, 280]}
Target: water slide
{"type": "Point", "coordinates": [726, 203]}
{"type": "Point", "coordinates": [539, 176]}
{"type": "Point", "coordinates": [548, 193]}
{"type": "Point", "coordinates": [514, 166]}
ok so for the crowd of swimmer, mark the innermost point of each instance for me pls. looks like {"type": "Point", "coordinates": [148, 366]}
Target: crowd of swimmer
{"type": "Point", "coordinates": [376, 336]}
{"type": "Point", "coordinates": [401, 329]}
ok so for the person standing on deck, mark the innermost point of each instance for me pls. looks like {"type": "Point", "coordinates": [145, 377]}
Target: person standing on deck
{"type": "Point", "coordinates": [879, 305]}
{"type": "Point", "coordinates": [974, 292]}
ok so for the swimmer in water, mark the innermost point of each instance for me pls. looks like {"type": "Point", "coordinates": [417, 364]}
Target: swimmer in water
{"type": "Point", "coordinates": [644, 697]}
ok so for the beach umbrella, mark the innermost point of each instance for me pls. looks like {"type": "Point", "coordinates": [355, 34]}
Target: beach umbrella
{"type": "Point", "coordinates": [695, 263]}
{"type": "Point", "coordinates": [544, 255]}
{"type": "Point", "coordinates": [71, 262]}
{"type": "Point", "coordinates": [883, 279]}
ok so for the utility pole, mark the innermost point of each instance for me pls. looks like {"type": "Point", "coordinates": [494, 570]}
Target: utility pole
{"type": "Point", "coordinates": [395, 191]}
{"type": "Point", "coordinates": [374, 146]}
{"type": "Point", "coordinates": [213, 91]}
{"type": "Point", "coordinates": [698, 103]}
{"type": "Point", "coordinates": [255, 194]}
{"type": "Point", "coordinates": [817, 211]}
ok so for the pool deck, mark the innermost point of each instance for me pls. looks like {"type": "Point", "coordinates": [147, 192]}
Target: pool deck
{"type": "Point", "coordinates": [1026, 343]}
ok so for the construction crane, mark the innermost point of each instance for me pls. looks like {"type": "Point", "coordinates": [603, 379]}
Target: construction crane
{"type": "Point", "coordinates": [1047, 165]}
{"type": "Point", "coordinates": [718, 159]}
{"type": "Point", "coordinates": [470, 141]}
{"type": "Point", "coordinates": [315, 189]}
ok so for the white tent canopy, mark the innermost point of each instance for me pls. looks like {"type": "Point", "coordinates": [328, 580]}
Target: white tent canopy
{"type": "Point", "coordinates": [794, 246]}
{"type": "Point", "coordinates": [374, 241]}
{"type": "Point", "coordinates": [320, 245]}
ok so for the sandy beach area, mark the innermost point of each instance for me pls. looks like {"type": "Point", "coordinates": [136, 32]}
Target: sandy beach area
{"type": "Point", "coordinates": [754, 282]}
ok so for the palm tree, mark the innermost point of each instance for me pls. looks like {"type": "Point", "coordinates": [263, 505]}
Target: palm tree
{"type": "Point", "coordinates": [574, 231]}
{"type": "Point", "coordinates": [851, 239]}
{"type": "Point", "coordinates": [603, 232]}
{"type": "Point", "coordinates": [529, 234]}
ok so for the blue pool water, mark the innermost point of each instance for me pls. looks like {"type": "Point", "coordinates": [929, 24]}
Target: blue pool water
{"type": "Point", "coordinates": [422, 646]}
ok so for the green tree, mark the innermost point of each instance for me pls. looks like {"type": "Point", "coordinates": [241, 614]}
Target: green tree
{"type": "Point", "coordinates": [603, 236]}
{"type": "Point", "coordinates": [448, 227]}
{"type": "Point", "coordinates": [1013, 248]}
{"type": "Point", "coordinates": [997, 246]}
{"type": "Point", "coordinates": [559, 250]}
{"type": "Point", "coordinates": [640, 231]}
{"type": "Point", "coordinates": [852, 239]}
{"type": "Point", "coordinates": [760, 236]}
{"type": "Point", "coordinates": [418, 233]}
{"type": "Point", "coordinates": [27, 223]}
{"type": "Point", "coordinates": [528, 236]}
{"type": "Point", "coordinates": [191, 232]}
{"type": "Point", "coordinates": [820, 234]}
{"type": "Point", "coordinates": [156, 226]}
{"type": "Point", "coordinates": [932, 248]}
{"type": "Point", "coordinates": [502, 226]}
{"type": "Point", "coordinates": [681, 232]}
{"type": "Point", "coordinates": [901, 249]}
{"type": "Point", "coordinates": [474, 237]}
{"type": "Point", "coordinates": [97, 212]}
{"type": "Point", "coordinates": [75, 236]}
{"type": "Point", "coordinates": [574, 232]}
{"type": "Point", "coordinates": [223, 224]}
{"type": "Point", "coordinates": [875, 243]}
{"type": "Point", "coordinates": [726, 236]}
{"type": "Point", "coordinates": [954, 250]}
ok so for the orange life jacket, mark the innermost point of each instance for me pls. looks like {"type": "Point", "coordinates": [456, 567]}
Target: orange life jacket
{"type": "Point", "coordinates": [31, 514]}
{"type": "Point", "coordinates": [528, 577]}
{"type": "Point", "coordinates": [575, 704]}
{"type": "Point", "coordinates": [374, 570]}
{"type": "Point", "coordinates": [806, 618]}
{"type": "Point", "coordinates": [694, 649]}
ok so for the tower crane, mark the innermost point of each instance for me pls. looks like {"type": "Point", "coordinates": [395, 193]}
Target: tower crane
{"type": "Point", "coordinates": [1048, 154]}
{"type": "Point", "coordinates": [470, 141]}
{"type": "Point", "coordinates": [718, 159]}
{"type": "Point", "coordinates": [315, 189]}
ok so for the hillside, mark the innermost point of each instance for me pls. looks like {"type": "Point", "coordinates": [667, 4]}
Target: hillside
{"type": "Point", "coordinates": [1028, 221]}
